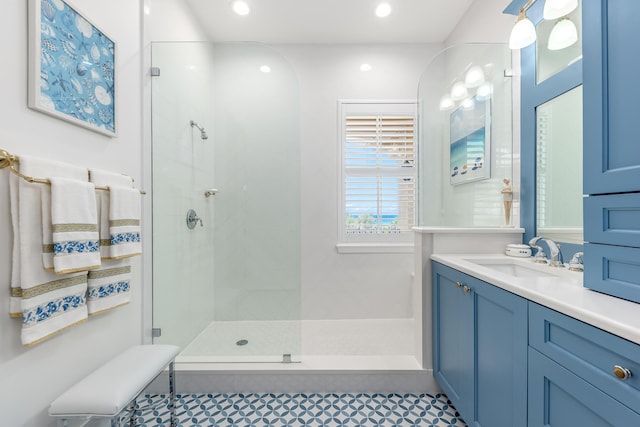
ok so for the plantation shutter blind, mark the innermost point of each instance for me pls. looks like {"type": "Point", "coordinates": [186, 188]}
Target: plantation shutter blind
{"type": "Point", "coordinates": [379, 175]}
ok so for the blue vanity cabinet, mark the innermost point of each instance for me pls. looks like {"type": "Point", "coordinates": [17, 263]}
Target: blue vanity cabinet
{"type": "Point", "coordinates": [611, 93]}
{"type": "Point", "coordinates": [480, 348]}
{"type": "Point", "coordinates": [611, 148]}
{"type": "Point", "coordinates": [573, 374]}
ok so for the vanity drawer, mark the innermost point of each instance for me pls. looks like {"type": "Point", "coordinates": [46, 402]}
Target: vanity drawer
{"type": "Point", "coordinates": [613, 270]}
{"type": "Point", "coordinates": [588, 352]}
{"type": "Point", "coordinates": [612, 219]}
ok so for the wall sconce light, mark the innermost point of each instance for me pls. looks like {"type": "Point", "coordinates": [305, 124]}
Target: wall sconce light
{"type": "Point", "coordinates": [484, 91]}
{"type": "Point", "coordinates": [554, 9]}
{"type": "Point", "coordinates": [474, 77]}
{"type": "Point", "coordinates": [446, 103]}
{"type": "Point", "coordinates": [459, 91]}
{"type": "Point", "coordinates": [563, 34]}
{"type": "Point", "coordinates": [524, 32]}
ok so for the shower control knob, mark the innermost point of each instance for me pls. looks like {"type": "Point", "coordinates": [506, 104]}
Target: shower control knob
{"type": "Point", "coordinates": [193, 219]}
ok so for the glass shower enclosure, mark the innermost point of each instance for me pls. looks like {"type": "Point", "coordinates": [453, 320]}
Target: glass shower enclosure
{"type": "Point", "coordinates": [226, 202]}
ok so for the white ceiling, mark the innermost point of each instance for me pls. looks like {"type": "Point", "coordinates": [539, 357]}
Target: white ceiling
{"type": "Point", "coordinates": [330, 21]}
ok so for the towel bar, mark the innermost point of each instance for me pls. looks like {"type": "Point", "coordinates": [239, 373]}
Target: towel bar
{"type": "Point", "coordinates": [10, 160]}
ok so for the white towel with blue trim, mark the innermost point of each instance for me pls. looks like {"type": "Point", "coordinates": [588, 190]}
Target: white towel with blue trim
{"type": "Point", "coordinates": [124, 222]}
{"type": "Point", "coordinates": [74, 222]}
{"type": "Point", "coordinates": [50, 303]}
{"type": "Point", "coordinates": [110, 285]}
{"type": "Point", "coordinates": [106, 179]}
{"type": "Point", "coordinates": [71, 172]}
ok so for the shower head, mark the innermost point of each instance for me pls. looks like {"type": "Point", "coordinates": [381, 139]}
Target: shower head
{"type": "Point", "coordinates": [203, 134]}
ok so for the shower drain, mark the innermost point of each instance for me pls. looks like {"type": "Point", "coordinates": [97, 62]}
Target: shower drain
{"type": "Point", "coordinates": [242, 342]}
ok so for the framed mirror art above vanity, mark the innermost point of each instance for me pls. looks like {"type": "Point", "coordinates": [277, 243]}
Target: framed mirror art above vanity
{"type": "Point", "coordinates": [551, 134]}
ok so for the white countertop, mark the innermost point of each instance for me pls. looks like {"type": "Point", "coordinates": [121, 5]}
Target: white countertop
{"type": "Point", "coordinates": [562, 292]}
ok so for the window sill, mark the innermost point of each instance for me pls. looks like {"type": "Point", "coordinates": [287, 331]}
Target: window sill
{"type": "Point", "coordinates": [375, 248]}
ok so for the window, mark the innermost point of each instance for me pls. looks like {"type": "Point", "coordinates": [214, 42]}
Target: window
{"type": "Point", "coordinates": [378, 172]}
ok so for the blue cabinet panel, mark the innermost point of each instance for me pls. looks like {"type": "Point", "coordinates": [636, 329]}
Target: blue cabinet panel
{"type": "Point", "coordinates": [501, 359]}
{"type": "Point", "coordinates": [453, 340]}
{"type": "Point", "coordinates": [611, 141]}
{"type": "Point", "coordinates": [480, 348]}
{"type": "Point", "coordinates": [613, 270]}
{"type": "Point", "coordinates": [559, 398]}
{"type": "Point", "coordinates": [588, 352]}
{"type": "Point", "coordinates": [613, 219]}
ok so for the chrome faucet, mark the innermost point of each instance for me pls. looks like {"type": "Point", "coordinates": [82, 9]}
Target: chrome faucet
{"type": "Point", "coordinates": [555, 255]}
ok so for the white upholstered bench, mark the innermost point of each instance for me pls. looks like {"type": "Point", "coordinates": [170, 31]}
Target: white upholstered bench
{"type": "Point", "coordinates": [114, 387]}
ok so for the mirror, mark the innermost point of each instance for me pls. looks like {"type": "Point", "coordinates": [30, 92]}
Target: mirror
{"type": "Point", "coordinates": [559, 168]}
{"type": "Point", "coordinates": [550, 62]}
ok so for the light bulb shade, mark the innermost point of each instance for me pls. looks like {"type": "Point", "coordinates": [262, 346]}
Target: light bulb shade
{"type": "Point", "coordinates": [523, 34]}
{"type": "Point", "coordinates": [474, 77]}
{"type": "Point", "coordinates": [484, 91]}
{"type": "Point", "coordinates": [446, 103]}
{"type": "Point", "coordinates": [554, 9]}
{"type": "Point", "coordinates": [459, 91]}
{"type": "Point", "coordinates": [563, 35]}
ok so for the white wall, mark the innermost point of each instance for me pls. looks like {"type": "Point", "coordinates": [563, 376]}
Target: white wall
{"type": "Point", "coordinates": [336, 285]}
{"type": "Point", "coordinates": [483, 22]}
{"type": "Point", "coordinates": [32, 377]}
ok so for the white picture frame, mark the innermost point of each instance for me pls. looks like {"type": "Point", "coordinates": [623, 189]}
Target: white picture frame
{"type": "Point", "coordinates": [72, 67]}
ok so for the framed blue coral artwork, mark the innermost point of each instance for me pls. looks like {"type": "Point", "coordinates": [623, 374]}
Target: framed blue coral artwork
{"type": "Point", "coordinates": [470, 136]}
{"type": "Point", "coordinates": [71, 67]}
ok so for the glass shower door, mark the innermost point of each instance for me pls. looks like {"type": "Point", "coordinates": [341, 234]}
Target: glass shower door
{"type": "Point", "coordinates": [227, 290]}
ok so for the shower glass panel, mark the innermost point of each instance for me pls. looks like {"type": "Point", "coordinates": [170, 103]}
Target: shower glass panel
{"type": "Point", "coordinates": [466, 115]}
{"type": "Point", "coordinates": [227, 290]}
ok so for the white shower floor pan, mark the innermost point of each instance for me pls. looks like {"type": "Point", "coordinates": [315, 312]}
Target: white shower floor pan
{"type": "Point", "coordinates": [376, 355]}
{"type": "Point", "coordinates": [387, 344]}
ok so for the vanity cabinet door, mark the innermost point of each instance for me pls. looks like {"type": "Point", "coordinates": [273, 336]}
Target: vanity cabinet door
{"type": "Point", "coordinates": [559, 398]}
{"type": "Point", "coordinates": [453, 338]}
{"type": "Point", "coordinates": [480, 348]}
{"type": "Point", "coordinates": [611, 93]}
{"type": "Point", "coordinates": [501, 357]}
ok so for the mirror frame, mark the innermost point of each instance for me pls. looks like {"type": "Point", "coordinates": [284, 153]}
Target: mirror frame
{"type": "Point", "coordinates": [532, 95]}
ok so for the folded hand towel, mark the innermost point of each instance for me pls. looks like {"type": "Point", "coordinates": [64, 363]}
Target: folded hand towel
{"type": "Point", "coordinates": [124, 222]}
{"type": "Point", "coordinates": [71, 172]}
{"type": "Point", "coordinates": [75, 225]}
{"type": "Point", "coordinates": [107, 179]}
{"type": "Point", "coordinates": [109, 287]}
{"type": "Point", "coordinates": [49, 302]}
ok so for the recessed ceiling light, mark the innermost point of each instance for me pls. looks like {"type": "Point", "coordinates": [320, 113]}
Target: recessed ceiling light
{"type": "Point", "coordinates": [265, 69]}
{"type": "Point", "coordinates": [365, 67]}
{"type": "Point", "coordinates": [240, 7]}
{"type": "Point", "coordinates": [383, 9]}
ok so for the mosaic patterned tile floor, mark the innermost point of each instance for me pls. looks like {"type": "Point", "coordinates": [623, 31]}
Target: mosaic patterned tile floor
{"type": "Point", "coordinates": [314, 409]}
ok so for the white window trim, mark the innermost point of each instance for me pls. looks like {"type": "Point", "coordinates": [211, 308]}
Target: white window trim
{"type": "Point", "coordinates": [391, 246]}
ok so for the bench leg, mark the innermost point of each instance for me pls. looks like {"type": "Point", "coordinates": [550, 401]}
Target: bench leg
{"type": "Point", "coordinates": [132, 415]}
{"type": "Point", "coordinates": [172, 396]}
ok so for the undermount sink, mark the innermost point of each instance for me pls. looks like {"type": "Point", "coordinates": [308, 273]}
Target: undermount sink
{"type": "Point", "coordinates": [510, 267]}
